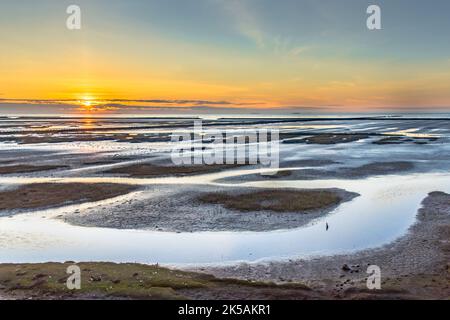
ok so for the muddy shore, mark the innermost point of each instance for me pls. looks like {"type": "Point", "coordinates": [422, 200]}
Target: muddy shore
{"type": "Point", "coordinates": [416, 266]}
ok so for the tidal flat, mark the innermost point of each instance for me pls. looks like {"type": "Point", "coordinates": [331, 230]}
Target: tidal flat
{"type": "Point", "coordinates": [104, 194]}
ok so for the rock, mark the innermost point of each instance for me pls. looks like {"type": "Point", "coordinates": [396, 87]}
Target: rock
{"type": "Point", "coordinates": [62, 280]}
{"type": "Point", "coordinates": [95, 279]}
{"type": "Point", "coordinates": [346, 268]}
{"type": "Point", "coordinates": [39, 276]}
{"type": "Point", "coordinates": [37, 283]}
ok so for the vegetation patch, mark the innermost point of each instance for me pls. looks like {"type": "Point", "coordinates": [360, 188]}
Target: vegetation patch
{"type": "Point", "coordinates": [127, 280]}
{"type": "Point", "coordinates": [403, 139]}
{"type": "Point", "coordinates": [275, 200]}
{"type": "Point", "coordinates": [39, 195]}
{"type": "Point", "coordinates": [23, 168]}
{"type": "Point", "coordinates": [329, 138]}
{"type": "Point", "coordinates": [153, 171]}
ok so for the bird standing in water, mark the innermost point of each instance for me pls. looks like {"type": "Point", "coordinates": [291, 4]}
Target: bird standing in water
{"type": "Point", "coordinates": [327, 226]}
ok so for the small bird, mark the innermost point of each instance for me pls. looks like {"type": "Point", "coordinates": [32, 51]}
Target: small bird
{"type": "Point", "coordinates": [327, 226]}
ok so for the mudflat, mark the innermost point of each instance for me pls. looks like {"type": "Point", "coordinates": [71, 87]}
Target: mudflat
{"type": "Point", "coordinates": [42, 195]}
{"type": "Point", "coordinates": [154, 170]}
{"type": "Point", "coordinates": [28, 168]}
{"type": "Point", "coordinates": [192, 208]}
{"type": "Point", "coordinates": [338, 152]}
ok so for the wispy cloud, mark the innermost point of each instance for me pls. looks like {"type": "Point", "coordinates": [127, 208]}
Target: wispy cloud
{"type": "Point", "coordinates": [247, 22]}
{"type": "Point", "coordinates": [298, 51]}
{"type": "Point", "coordinates": [178, 102]}
{"type": "Point", "coordinates": [124, 105]}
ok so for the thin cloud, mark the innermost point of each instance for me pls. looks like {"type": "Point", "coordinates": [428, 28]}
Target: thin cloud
{"type": "Point", "coordinates": [245, 21]}
{"type": "Point", "coordinates": [179, 102]}
{"type": "Point", "coordinates": [157, 101]}
{"type": "Point", "coordinates": [123, 105]}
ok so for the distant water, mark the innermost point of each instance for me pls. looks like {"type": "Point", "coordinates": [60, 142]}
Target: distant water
{"type": "Point", "coordinates": [420, 115]}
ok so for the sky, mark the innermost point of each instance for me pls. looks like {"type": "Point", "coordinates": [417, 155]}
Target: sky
{"type": "Point", "coordinates": [160, 56]}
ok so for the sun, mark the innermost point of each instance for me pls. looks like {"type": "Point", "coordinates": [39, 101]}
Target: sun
{"type": "Point", "coordinates": [86, 100]}
{"type": "Point", "coordinates": [87, 103]}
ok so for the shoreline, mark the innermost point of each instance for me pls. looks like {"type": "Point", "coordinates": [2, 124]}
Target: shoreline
{"type": "Point", "coordinates": [420, 256]}
{"type": "Point", "coordinates": [414, 266]}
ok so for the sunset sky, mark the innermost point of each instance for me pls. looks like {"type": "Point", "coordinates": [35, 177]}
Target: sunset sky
{"type": "Point", "coordinates": [160, 55]}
